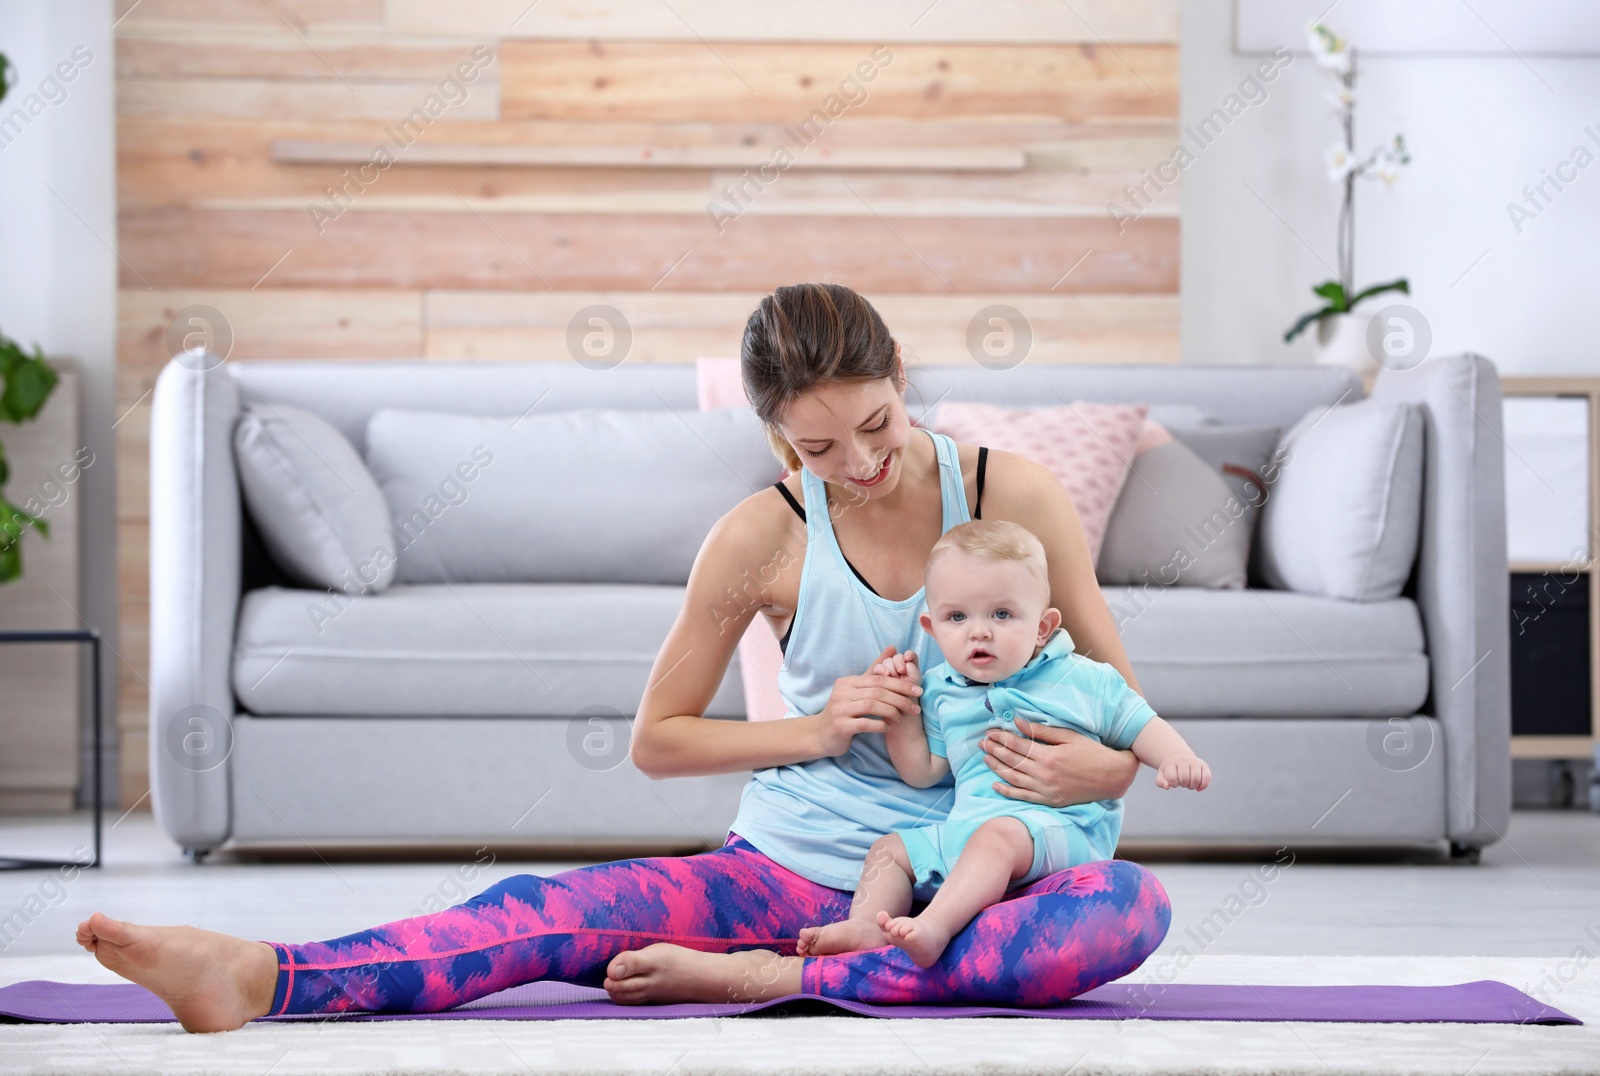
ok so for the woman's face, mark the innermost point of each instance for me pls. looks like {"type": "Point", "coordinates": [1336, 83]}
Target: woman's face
{"type": "Point", "coordinates": [851, 433]}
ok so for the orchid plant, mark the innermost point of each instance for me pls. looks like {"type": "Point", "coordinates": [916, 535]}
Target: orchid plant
{"type": "Point", "coordinates": [1335, 56]}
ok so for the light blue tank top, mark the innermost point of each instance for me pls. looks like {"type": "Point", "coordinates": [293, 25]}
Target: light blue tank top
{"type": "Point", "coordinates": [819, 818]}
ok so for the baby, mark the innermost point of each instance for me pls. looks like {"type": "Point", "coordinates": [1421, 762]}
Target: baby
{"type": "Point", "coordinates": [1006, 656]}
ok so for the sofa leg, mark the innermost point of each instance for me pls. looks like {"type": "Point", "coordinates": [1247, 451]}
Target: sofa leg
{"type": "Point", "coordinates": [195, 855]}
{"type": "Point", "coordinates": [1465, 853]}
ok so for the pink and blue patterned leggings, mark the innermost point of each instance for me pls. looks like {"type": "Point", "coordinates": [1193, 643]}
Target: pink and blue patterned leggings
{"type": "Point", "coordinates": [1045, 943]}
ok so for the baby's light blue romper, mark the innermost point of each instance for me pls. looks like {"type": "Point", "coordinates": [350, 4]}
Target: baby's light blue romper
{"type": "Point", "coordinates": [1056, 687]}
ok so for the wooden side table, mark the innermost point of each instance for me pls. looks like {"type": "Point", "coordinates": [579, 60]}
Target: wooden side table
{"type": "Point", "coordinates": [68, 636]}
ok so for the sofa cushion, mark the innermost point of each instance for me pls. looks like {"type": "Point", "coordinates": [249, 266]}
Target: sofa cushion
{"type": "Point", "coordinates": [1345, 509]}
{"type": "Point", "coordinates": [1088, 446]}
{"type": "Point", "coordinates": [544, 649]}
{"type": "Point", "coordinates": [318, 508]}
{"type": "Point", "coordinates": [536, 649]}
{"type": "Point", "coordinates": [1235, 450]}
{"type": "Point", "coordinates": [1187, 514]}
{"type": "Point", "coordinates": [1228, 448]}
{"type": "Point", "coordinates": [1271, 653]}
{"type": "Point", "coordinates": [1176, 523]}
{"type": "Point", "coordinates": [1220, 445]}
{"type": "Point", "coordinates": [1160, 414]}
{"type": "Point", "coordinates": [588, 495]}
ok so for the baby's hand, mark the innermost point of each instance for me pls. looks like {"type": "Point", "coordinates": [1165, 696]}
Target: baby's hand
{"type": "Point", "coordinates": [1184, 771]}
{"type": "Point", "coordinates": [903, 666]}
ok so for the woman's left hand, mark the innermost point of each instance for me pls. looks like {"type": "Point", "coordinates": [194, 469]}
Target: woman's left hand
{"type": "Point", "coordinates": [1055, 766]}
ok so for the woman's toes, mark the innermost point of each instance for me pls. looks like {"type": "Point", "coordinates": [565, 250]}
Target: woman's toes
{"type": "Point", "coordinates": [631, 966]}
{"type": "Point", "coordinates": [112, 930]}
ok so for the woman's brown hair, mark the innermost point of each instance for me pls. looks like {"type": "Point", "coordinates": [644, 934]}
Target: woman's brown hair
{"type": "Point", "coordinates": [802, 335]}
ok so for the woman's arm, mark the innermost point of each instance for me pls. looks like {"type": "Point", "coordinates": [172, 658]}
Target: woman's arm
{"type": "Point", "coordinates": [1056, 766]}
{"type": "Point", "coordinates": [1050, 765]}
{"type": "Point", "coordinates": [671, 737]}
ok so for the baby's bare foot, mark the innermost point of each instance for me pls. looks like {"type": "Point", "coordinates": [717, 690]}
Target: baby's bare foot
{"type": "Point", "coordinates": [210, 981]}
{"type": "Point", "coordinates": [922, 939]}
{"type": "Point", "coordinates": [845, 936]}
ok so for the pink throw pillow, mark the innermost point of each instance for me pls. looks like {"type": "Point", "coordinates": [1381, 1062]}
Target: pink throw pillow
{"type": "Point", "coordinates": [760, 659]}
{"type": "Point", "coordinates": [718, 384]}
{"type": "Point", "coordinates": [1088, 446]}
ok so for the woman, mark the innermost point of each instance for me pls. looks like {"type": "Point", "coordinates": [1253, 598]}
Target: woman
{"type": "Point", "coordinates": [823, 373]}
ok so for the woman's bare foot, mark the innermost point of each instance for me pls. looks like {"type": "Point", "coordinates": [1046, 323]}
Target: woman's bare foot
{"type": "Point", "coordinates": [211, 981]}
{"type": "Point", "coordinates": [923, 939]}
{"type": "Point", "coordinates": [845, 936]}
{"type": "Point", "coordinates": [665, 972]}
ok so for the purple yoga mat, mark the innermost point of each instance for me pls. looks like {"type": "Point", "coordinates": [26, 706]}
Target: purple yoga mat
{"type": "Point", "coordinates": [1483, 1002]}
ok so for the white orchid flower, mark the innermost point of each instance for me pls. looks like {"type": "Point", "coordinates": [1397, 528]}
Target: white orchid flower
{"type": "Point", "coordinates": [1339, 162]}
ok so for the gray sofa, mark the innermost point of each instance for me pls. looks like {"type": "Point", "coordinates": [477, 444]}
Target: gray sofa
{"type": "Point", "coordinates": [1286, 695]}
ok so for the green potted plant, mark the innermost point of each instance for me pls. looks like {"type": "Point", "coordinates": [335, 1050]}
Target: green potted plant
{"type": "Point", "coordinates": [1341, 333]}
{"type": "Point", "coordinates": [26, 381]}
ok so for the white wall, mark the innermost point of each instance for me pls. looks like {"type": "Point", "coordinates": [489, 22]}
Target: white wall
{"type": "Point", "coordinates": [1480, 129]}
{"type": "Point", "coordinates": [58, 272]}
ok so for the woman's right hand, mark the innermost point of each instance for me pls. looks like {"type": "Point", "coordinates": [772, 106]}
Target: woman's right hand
{"type": "Point", "coordinates": [863, 704]}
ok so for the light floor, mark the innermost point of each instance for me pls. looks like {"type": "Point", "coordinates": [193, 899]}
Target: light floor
{"type": "Point", "coordinates": [1529, 914]}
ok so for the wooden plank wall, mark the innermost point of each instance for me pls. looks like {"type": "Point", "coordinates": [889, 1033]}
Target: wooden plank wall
{"type": "Point", "coordinates": [975, 167]}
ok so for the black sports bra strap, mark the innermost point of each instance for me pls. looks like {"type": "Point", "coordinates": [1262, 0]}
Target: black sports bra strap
{"type": "Point", "coordinates": [783, 489]}
{"type": "Point", "coordinates": [800, 509]}
{"type": "Point", "coordinates": [983, 461]}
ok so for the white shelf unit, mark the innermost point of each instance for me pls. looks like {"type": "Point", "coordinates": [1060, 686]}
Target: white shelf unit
{"type": "Point", "coordinates": [1585, 525]}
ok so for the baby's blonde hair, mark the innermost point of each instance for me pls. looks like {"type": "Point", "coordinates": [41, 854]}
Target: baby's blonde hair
{"type": "Point", "coordinates": [995, 539]}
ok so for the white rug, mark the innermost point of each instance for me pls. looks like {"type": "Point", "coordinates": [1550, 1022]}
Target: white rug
{"type": "Point", "coordinates": [857, 1045]}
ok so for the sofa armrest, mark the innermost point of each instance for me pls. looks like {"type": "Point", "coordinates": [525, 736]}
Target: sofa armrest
{"type": "Point", "coordinates": [194, 598]}
{"type": "Point", "coordinates": [1463, 583]}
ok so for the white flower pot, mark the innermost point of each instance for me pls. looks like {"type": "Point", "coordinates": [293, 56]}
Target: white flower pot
{"type": "Point", "coordinates": [1342, 341]}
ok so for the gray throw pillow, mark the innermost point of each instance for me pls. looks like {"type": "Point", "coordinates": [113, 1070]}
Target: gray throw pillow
{"type": "Point", "coordinates": [1187, 514]}
{"type": "Point", "coordinates": [1176, 523]}
{"type": "Point", "coordinates": [579, 496]}
{"type": "Point", "coordinates": [1249, 447]}
{"type": "Point", "coordinates": [1243, 455]}
{"type": "Point", "coordinates": [1344, 514]}
{"type": "Point", "coordinates": [319, 511]}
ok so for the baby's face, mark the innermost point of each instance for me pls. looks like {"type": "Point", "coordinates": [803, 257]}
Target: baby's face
{"type": "Point", "coordinates": [988, 617]}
